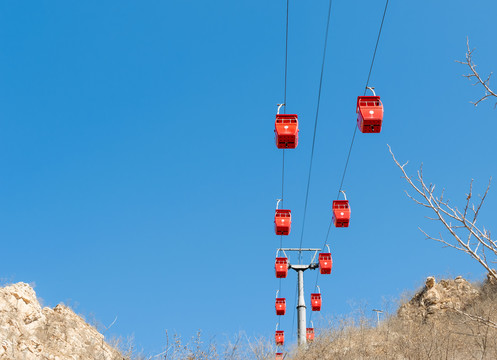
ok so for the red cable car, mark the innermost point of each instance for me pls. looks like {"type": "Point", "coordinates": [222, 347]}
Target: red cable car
{"type": "Point", "coordinates": [325, 262]}
{"type": "Point", "coordinates": [281, 267]}
{"type": "Point", "coordinates": [286, 130]}
{"type": "Point", "coordinates": [341, 212]}
{"type": "Point", "coordinates": [309, 335]}
{"type": "Point", "coordinates": [282, 221]}
{"type": "Point", "coordinates": [370, 113]}
{"type": "Point", "coordinates": [279, 356]}
{"type": "Point", "coordinates": [280, 306]}
{"type": "Point", "coordinates": [279, 337]}
{"type": "Point", "coordinates": [316, 302]}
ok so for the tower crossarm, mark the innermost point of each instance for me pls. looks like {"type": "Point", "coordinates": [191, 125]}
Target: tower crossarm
{"type": "Point", "coordinates": [299, 267]}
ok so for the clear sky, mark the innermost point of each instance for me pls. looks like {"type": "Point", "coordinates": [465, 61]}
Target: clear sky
{"type": "Point", "coordinates": [138, 171]}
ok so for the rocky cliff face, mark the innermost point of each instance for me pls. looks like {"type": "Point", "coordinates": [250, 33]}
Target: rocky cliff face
{"type": "Point", "coordinates": [435, 298]}
{"type": "Point", "coordinates": [29, 332]}
{"type": "Point", "coordinates": [449, 319]}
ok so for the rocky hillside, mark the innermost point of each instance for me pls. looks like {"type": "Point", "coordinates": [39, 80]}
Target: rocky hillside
{"type": "Point", "coordinates": [437, 298]}
{"type": "Point", "coordinates": [29, 332]}
{"type": "Point", "coordinates": [450, 319]}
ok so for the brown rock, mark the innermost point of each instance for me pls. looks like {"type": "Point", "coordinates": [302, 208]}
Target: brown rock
{"type": "Point", "coordinates": [430, 282]}
{"type": "Point", "coordinates": [436, 298]}
{"type": "Point", "coordinates": [29, 332]}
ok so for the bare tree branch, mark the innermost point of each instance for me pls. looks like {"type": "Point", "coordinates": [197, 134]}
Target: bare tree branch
{"type": "Point", "coordinates": [477, 318]}
{"type": "Point", "coordinates": [475, 75]}
{"type": "Point", "coordinates": [466, 236]}
{"type": "Point", "coordinates": [108, 327]}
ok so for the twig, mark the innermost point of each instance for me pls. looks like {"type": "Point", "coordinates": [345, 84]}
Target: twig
{"type": "Point", "coordinates": [474, 74]}
{"type": "Point", "coordinates": [477, 318]}
{"type": "Point", "coordinates": [475, 242]}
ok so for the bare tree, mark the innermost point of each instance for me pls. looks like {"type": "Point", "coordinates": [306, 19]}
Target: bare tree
{"type": "Point", "coordinates": [479, 319]}
{"type": "Point", "coordinates": [466, 235]}
{"type": "Point", "coordinates": [474, 75]}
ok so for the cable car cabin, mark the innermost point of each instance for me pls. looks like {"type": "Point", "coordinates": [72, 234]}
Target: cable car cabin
{"type": "Point", "coordinates": [280, 306]}
{"type": "Point", "coordinates": [309, 334]}
{"type": "Point", "coordinates": [279, 356]}
{"type": "Point", "coordinates": [282, 221]}
{"type": "Point", "coordinates": [341, 213]}
{"type": "Point", "coordinates": [279, 337]}
{"type": "Point", "coordinates": [286, 131]}
{"type": "Point", "coordinates": [325, 263]}
{"type": "Point", "coordinates": [281, 267]}
{"type": "Point", "coordinates": [316, 302]}
{"type": "Point", "coordinates": [369, 114]}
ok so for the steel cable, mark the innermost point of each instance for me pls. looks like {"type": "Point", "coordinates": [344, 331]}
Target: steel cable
{"type": "Point", "coordinates": [313, 143]}
{"type": "Point", "coordinates": [284, 111]}
{"type": "Point", "coordinates": [315, 127]}
{"type": "Point", "coordinates": [355, 131]}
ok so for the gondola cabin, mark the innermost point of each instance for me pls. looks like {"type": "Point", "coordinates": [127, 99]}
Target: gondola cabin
{"type": "Point", "coordinates": [279, 337]}
{"type": "Point", "coordinates": [280, 306]}
{"type": "Point", "coordinates": [369, 114]}
{"type": "Point", "coordinates": [282, 221]}
{"type": "Point", "coordinates": [325, 263]}
{"type": "Point", "coordinates": [309, 334]}
{"type": "Point", "coordinates": [316, 302]}
{"type": "Point", "coordinates": [286, 131]}
{"type": "Point", "coordinates": [341, 213]}
{"type": "Point", "coordinates": [281, 267]}
{"type": "Point", "coordinates": [279, 356]}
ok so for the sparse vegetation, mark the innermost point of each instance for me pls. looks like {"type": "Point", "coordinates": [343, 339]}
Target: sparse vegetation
{"type": "Point", "coordinates": [239, 347]}
{"type": "Point", "coordinates": [455, 327]}
{"type": "Point", "coordinates": [451, 319]}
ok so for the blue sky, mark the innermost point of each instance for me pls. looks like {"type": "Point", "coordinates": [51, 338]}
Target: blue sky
{"type": "Point", "coordinates": [139, 173]}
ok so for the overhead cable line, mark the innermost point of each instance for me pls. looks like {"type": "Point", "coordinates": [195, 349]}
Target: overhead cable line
{"type": "Point", "coordinates": [284, 102]}
{"type": "Point", "coordinates": [365, 89]}
{"type": "Point", "coordinates": [315, 127]}
{"type": "Point", "coordinates": [284, 111]}
{"type": "Point", "coordinates": [355, 129]}
{"type": "Point", "coordinates": [286, 55]}
{"type": "Point", "coordinates": [313, 141]}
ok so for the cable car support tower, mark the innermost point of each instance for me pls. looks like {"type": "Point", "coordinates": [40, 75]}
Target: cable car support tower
{"type": "Point", "coordinates": [369, 111]}
{"type": "Point", "coordinates": [301, 308]}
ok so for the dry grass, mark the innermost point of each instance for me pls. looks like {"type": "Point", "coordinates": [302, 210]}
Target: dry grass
{"type": "Point", "coordinates": [450, 320]}
{"type": "Point", "coordinates": [467, 332]}
{"type": "Point", "coordinates": [239, 347]}
{"type": "Point", "coordinates": [463, 334]}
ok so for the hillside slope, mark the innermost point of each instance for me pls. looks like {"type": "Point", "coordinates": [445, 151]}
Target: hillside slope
{"type": "Point", "coordinates": [452, 319]}
{"type": "Point", "coordinates": [29, 332]}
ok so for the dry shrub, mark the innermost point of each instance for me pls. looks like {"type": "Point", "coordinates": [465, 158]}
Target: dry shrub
{"type": "Point", "coordinates": [467, 332]}
{"type": "Point", "coordinates": [460, 323]}
{"type": "Point", "coordinates": [239, 347]}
